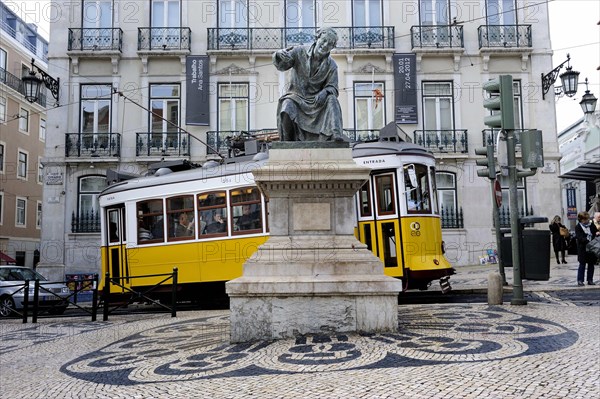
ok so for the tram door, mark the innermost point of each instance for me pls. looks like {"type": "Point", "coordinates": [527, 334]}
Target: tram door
{"type": "Point", "coordinates": [386, 223]}
{"type": "Point", "coordinates": [115, 261]}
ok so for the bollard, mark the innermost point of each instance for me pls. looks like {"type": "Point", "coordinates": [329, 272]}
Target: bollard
{"type": "Point", "coordinates": [495, 288]}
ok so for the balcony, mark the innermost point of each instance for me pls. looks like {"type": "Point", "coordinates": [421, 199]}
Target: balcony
{"type": "Point", "coordinates": [440, 36]}
{"type": "Point", "coordinates": [505, 36]}
{"type": "Point", "coordinates": [16, 84]}
{"type": "Point", "coordinates": [358, 135]}
{"type": "Point", "coordinates": [451, 218]}
{"type": "Point", "coordinates": [105, 146]}
{"type": "Point", "coordinates": [161, 144]}
{"type": "Point", "coordinates": [443, 141]}
{"type": "Point", "coordinates": [96, 39]}
{"type": "Point", "coordinates": [164, 39]}
{"type": "Point", "coordinates": [377, 37]}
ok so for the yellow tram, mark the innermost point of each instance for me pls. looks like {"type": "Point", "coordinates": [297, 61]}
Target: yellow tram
{"type": "Point", "coordinates": [208, 221]}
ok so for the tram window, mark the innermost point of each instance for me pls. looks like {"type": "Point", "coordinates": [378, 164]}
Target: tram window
{"type": "Point", "coordinates": [180, 217]}
{"type": "Point", "coordinates": [386, 204]}
{"type": "Point", "coordinates": [365, 200]}
{"type": "Point", "coordinates": [417, 189]}
{"type": "Point", "coordinates": [150, 223]}
{"type": "Point", "coordinates": [113, 226]}
{"type": "Point", "coordinates": [212, 211]}
{"type": "Point", "coordinates": [246, 210]}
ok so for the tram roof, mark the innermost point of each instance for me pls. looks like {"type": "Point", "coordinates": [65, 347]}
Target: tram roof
{"type": "Point", "coordinates": [203, 173]}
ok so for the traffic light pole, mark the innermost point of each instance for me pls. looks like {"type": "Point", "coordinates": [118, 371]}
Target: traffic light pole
{"type": "Point", "coordinates": [498, 234]}
{"type": "Point", "coordinates": [515, 232]}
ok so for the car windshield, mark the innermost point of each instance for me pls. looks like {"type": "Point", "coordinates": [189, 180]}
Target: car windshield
{"type": "Point", "coordinates": [19, 274]}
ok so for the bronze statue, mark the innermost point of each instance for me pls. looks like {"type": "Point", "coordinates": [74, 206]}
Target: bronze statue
{"type": "Point", "coordinates": [310, 110]}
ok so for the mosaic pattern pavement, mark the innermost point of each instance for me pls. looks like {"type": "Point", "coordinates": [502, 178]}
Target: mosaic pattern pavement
{"type": "Point", "coordinates": [199, 349]}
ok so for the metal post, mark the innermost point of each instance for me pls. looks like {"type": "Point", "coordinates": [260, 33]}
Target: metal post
{"type": "Point", "coordinates": [105, 295]}
{"type": "Point", "coordinates": [94, 297]}
{"type": "Point", "coordinates": [174, 294]}
{"type": "Point", "coordinates": [514, 220]}
{"type": "Point", "coordinates": [26, 301]}
{"type": "Point", "coordinates": [496, 212]}
{"type": "Point", "coordinates": [36, 297]}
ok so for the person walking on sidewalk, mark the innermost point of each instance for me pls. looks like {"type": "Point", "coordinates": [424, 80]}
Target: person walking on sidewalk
{"type": "Point", "coordinates": [585, 231]}
{"type": "Point", "coordinates": [558, 240]}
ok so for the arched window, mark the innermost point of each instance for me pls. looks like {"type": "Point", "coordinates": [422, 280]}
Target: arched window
{"type": "Point", "coordinates": [87, 219]}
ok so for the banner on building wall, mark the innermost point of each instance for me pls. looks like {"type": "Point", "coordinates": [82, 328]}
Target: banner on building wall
{"type": "Point", "coordinates": [571, 204]}
{"type": "Point", "coordinates": [405, 85]}
{"type": "Point", "coordinates": [197, 110]}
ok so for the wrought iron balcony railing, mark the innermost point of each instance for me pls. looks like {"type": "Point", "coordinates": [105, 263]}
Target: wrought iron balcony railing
{"type": "Point", "coordinates": [155, 144]}
{"type": "Point", "coordinates": [489, 137]}
{"type": "Point", "coordinates": [164, 38]}
{"type": "Point", "coordinates": [86, 222]}
{"type": "Point", "coordinates": [95, 39]}
{"type": "Point", "coordinates": [439, 36]}
{"type": "Point", "coordinates": [504, 36]}
{"type": "Point", "coordinates": [452, 140]}
{"type": "Point", "coordinates": [452, 218]}
{"type": "Point", "coordinates": [504, 214]}
{"type": "Point", "coordinates": [92, 145]}
{"type": "Point", "coordinates": [17, 85]}
{"type": "Point", "coordinates": [350, 37]}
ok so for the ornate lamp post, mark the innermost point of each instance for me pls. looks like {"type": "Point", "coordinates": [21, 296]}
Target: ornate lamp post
{"type": "Point", "coordinates": [588, 101]}
{"type": "Point", "coordinates": [31, 84]}
{"type": "Point", "coordinates": [569, 79]}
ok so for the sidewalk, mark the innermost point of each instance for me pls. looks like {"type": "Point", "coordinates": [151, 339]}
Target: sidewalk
{"type": "Point", "coordinates": [474, 278]}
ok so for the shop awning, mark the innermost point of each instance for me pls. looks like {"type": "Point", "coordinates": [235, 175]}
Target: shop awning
{"type": "Point", "coordinates": [588, 172]}
{"type": "Point", "coordinates": [6, 258]}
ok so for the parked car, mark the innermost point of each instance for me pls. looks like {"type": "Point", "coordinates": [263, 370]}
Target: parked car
{"type": "Point", "coordinates": [12, 293]}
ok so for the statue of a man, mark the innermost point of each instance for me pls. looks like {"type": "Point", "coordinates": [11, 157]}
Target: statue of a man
{"type": "Point", "coordinates": [310, 110]}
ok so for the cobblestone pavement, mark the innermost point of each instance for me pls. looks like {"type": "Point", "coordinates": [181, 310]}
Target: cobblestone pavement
{"type": "Point", "coordinates": [440, 351]}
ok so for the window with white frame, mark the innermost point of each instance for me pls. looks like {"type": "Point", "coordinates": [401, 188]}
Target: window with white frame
{"type": "Point", "coordinates": [2, 109]}
{"type": "Point", "coordinates": [521, 195]}
{"type": "Point", "coordinates": [2, 65]}
{"type": "Point", "coordinates": [445, 183]}
{"type": "Point", "coordinates": [40, 172]}
{"type": "Point", "coordinates": [22, 156]}
{"type": "Point", "coordinates": [95, 116]}
{"type": "Point", "coordinates": [438, 114]}
{"type": "Point", "coordinates": [166, 21]}
{"type": "Point", "coordinates": [233, 103]}
{"type": "Point", "coordinates": [366, 13]}
{"type": "Point", "coordinates": [369, 109]}
{"type": "Point", "coordinates": [89, 189]}
{"type": "Point", "coordinates": [42, 129]}
{"type": "Point", "coordinates": [434, 17]}
{"type": "Point", "coordinates": [1, 208]}
{"type": "Point", "coordinates": [24, 120]}
{"type": "Point", "coordinates": [233, 13]}
{"type": "Point", "coordinates": [2, 150]}
{"type": "Point", "coordinates": [501, 20]}
{"type": "Point", "coordinates": [300, 13]}
{"type": "Point", "coordinates": [38, 215]}
{"type": "Point", "coordinates": [21, 212]}
{"type": "Point", "coordinates": [97, 24]}
{"type": "Point", "coordinates": [164, 119]}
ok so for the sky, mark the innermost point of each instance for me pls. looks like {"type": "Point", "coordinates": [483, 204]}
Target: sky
{"type": "Point", "coordinates": [574, 30]}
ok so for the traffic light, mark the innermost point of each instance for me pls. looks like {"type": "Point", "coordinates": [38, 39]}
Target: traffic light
{"type": "Point", "coordinates": [500, 101]}
{"type": "Point", "coordinates": [488, 151]}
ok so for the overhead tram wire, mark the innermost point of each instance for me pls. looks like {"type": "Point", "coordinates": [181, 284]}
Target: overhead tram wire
{"type": "Point", "coordinates": [120, 93]}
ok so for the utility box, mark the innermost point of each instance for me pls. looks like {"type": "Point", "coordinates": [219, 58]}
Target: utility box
{"type": "Point", "coordinates": [532, 149]}
{"type": "Point", "coordinates": [534, 251]}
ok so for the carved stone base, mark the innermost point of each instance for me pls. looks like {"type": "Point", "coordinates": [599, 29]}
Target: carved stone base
{"type": "Point", "coordinates": [311, 275]}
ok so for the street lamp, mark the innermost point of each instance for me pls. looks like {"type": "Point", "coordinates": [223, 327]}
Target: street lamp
{"type": "Point", "coordinates": [31, 84]}
{"type": "Point", "coordinates": [569, 79]}
{"type": "Point", "coordinates": [588, 101]}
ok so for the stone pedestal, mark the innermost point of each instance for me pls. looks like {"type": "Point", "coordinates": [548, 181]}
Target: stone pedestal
{"type": "Point", "coordinates": [312, 275]}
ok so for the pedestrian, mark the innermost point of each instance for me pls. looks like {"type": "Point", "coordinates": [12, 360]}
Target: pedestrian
{"type": "Point", "coordinates": [585, 231]}
{"type": "Point", "coordinates": [558, 239]}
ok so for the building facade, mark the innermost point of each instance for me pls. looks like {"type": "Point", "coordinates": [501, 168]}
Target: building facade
{"type": "Point", "coordinates": [191, 73]}
{"type": "Point", "coordinates": [22, 141]}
